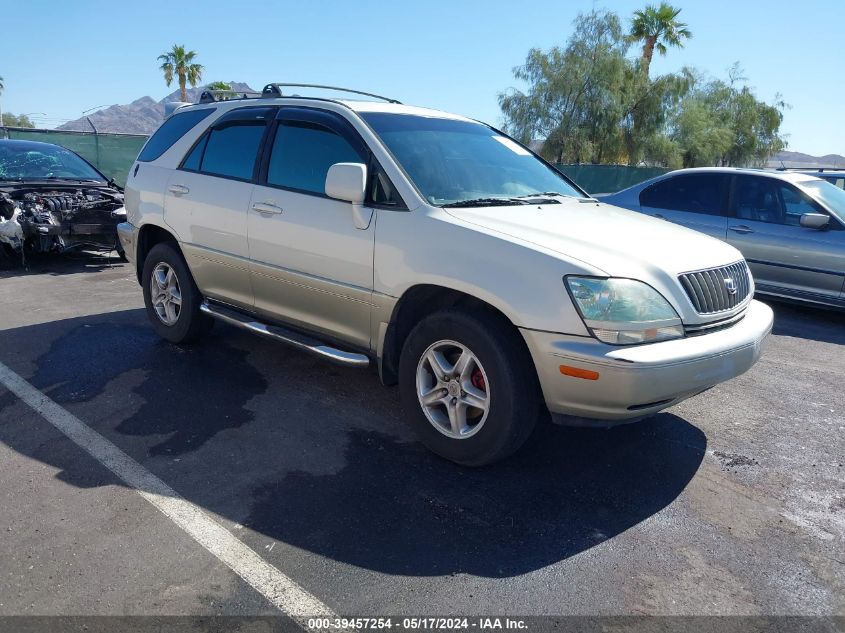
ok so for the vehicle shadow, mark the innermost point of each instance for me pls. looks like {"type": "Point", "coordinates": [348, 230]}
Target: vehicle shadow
{"type": "Point", "coordinates": [320, 458]}
{"type": "Point", "coordinates": [807, 322]}
{"type": "Point", "coordinates": [57, 264]}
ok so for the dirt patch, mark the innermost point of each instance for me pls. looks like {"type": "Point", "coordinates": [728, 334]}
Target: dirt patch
{"type": "Point", "coordinates": [837, 504]}
{"type": "Point", "coordinates": [734, 460]}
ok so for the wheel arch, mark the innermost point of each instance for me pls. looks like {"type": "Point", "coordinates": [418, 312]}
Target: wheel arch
{"type": "Point", "coordinates": [148, 236]}
{"type": "Point", "coordinates": [416, 303]}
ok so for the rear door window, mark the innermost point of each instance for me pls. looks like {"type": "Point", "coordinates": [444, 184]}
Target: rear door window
{"type": "Point", "coordinates": [692, 193]}
{"type": "Point", "coordinates": [231, 147]}
{"type": "Point", "coordinates": [171, 131]}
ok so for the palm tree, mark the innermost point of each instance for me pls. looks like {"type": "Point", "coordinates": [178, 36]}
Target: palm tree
{"type": "Point", "coordinates": [656, 27]}
{"type": "Point", "coordinates": [178, 61]}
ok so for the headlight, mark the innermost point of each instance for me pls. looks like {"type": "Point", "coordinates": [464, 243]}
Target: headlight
{"type": "Point", "coordinates": [624, 311]}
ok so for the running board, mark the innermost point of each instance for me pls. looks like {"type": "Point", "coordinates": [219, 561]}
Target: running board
{"type": "Point", "coordinates": [283, 335]}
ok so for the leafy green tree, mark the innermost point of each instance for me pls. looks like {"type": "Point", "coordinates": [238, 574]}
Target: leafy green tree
{"type": "Point", "coordinates": [10, 120]}
{"type": "Point", "coordinates": [657, 27]}
{"type": "Point", "coordinates": [572, 101]}
{"type": "Point", "coordinates": [723, 123]}
{"type": "Point", "coordinates": [223, 90]}
{"type": "Point", "coordinates": [179, 62]}
{"type": "Point", "coordinates": [588, 101]}
{"type": "Point", "coordinates": [700, 135]}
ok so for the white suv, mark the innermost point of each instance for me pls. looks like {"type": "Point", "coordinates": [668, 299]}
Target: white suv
{"type": "Point", "coordinates": [470, 271]}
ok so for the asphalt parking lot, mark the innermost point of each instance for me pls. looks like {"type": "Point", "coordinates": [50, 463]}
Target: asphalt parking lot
{"type": "Point", "coordinates": [731, 503]}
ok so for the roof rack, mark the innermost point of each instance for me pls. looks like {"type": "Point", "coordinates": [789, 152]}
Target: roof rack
{"type": "Point", "coordinates": [212, 96]}
{"type": "Point", "coordinates": [274, 90]}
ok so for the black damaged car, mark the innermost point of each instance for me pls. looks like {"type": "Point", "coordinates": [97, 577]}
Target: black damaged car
{"type": "Point", "coordinates": [54, 201]}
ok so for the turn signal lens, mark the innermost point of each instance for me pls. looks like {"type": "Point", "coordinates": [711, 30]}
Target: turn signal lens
{"type": "Point", "coordinates": [577, 372]}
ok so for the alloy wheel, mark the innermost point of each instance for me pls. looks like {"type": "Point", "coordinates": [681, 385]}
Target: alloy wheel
{"type": "Point", "coordinates": [165, 293]}
{"type": "Point", "coordinates": [453, 389]}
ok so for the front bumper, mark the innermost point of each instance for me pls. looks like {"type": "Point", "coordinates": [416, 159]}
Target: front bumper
{"type": "Point", "coordinates": [128, 236]}
{"type": "Point", "coordinates": [635, 381]}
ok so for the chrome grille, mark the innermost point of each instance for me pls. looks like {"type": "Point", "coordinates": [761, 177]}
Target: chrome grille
{"type": "Point", "coordinates": [708, 289]}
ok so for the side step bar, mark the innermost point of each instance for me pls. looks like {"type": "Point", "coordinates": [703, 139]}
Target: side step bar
{"type": "Point", "coordinates": [283, 335]}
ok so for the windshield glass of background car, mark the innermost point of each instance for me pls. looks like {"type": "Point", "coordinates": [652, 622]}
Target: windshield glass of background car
{"type": "Point", "coordinates": [450, 161]}
{"type": "Point", "coordinates": [831, 196]}
{"type": "Point", "coordinates": [40, 162]}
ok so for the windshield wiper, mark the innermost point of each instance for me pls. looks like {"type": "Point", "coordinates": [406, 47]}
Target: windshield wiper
{"type": "Point", "coordinates": [485, 202]}
{"type": "Point", "coordinates": [545, 194]}
{"type": "Point", "coordinates": [548, 194]}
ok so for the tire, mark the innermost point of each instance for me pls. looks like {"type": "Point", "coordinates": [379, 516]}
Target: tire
{"type": "Point", "coordinates": [500, 370]}
{"type": "Point", "coordinates": [184, 322]}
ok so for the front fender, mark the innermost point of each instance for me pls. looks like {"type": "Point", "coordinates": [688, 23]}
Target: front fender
{"type": "Point", "coordinates": [522, 281]}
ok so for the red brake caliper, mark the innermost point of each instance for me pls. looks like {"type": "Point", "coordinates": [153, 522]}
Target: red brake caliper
{"type": "Point", "coordinates": [478, 380]}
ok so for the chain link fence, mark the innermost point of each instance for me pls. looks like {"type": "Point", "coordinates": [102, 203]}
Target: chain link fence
{"type": "Point", "coordinates": [112, 154]}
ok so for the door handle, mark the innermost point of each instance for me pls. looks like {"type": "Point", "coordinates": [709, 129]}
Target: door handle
{"type": "Point", "coordinates": [267, 208]}
{"type": "Point", "coordinates": [178, 190]}
{"type": "Point", "coordinates": [741, 228]}
{"type": "Point", "coordinates": [659, 216]}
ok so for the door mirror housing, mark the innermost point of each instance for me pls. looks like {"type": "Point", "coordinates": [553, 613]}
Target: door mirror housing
{"type": "Point", "coordinates": [815, 220]}
{"type": "Point", "coordinates": [347, 181]}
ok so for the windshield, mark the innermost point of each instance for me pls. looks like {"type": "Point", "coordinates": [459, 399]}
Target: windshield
{"type": "Point", "coordinates": [455, 161]}
{"type": "Point", "coordinates": [832, 196]}
{"type": "Point", "coordinates": [37, 161]}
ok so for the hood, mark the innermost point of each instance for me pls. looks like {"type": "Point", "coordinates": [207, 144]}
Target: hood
{"type": "Point", "coordinates": [619, 242]}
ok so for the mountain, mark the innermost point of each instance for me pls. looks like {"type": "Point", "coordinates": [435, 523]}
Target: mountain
{"type": "Point", "coordinates": [142, 116]}
{"type": "Point", "coordinates": [797, 159]}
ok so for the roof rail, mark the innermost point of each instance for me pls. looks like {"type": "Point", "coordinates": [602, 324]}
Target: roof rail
{"type": "Point", "coordinates": [212, 96]}
{"type": "Point", "coordinates": [274, 90]}
{"type": "Point", "coordinates": [820, 169]}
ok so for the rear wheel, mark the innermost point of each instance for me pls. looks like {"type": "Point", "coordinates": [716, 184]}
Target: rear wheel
{"type": "Point", "coordinates": [171, 297]}
{"type": "Point", "coordinates": [469, 387]}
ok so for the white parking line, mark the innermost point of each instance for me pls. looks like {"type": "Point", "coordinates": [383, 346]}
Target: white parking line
{"type": "Point", "coordinates": [283, 592]}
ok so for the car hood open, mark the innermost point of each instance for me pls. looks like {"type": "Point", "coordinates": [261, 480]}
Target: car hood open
{"type": "Point", "coordinates": [620, 243]}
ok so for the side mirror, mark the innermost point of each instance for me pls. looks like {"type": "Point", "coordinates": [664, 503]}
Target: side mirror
{"type": "Point", "coordinates": [347, 181]}
{"type": "Point", "coordinates": [814, 220]}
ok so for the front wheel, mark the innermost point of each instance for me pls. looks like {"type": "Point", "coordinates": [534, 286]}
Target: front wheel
{"type": "Point", "coordinates": [171, 297]}
{"type": "Point", "coordinates": [469, 387]}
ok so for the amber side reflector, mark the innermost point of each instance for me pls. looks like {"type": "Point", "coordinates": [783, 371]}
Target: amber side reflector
{"type": "Point", "coordinates": [576, 372]}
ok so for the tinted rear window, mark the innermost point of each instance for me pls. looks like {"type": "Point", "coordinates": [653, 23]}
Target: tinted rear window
{"type": "Point", "coordinates": [694, 193]}
{"type": "Point", "coordinates": [231, 149]}
{"type": "Point", "coordinates": [171, 131]}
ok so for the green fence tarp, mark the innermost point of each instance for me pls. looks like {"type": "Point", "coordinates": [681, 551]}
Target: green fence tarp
{"type": "Point", "coordinates": [608, 178]}
{"type": "Point", "coordinates": [112, 154]}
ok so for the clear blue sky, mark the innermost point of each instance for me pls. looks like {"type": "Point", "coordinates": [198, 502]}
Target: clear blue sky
{"type": "Point", "coordinates": [63, 58]}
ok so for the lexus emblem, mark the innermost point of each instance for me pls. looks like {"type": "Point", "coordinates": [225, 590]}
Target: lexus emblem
{"type": "Point", "coordinates": [730, 285]}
